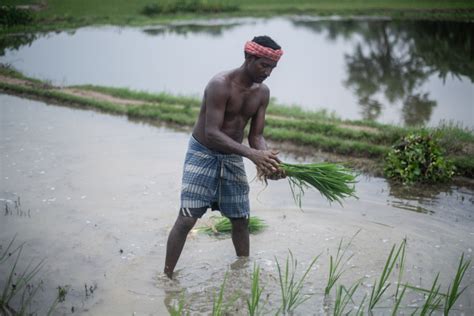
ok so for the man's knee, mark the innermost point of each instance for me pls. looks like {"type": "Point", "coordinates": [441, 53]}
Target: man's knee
{"type": "Point", "coordinates": [184, 224]}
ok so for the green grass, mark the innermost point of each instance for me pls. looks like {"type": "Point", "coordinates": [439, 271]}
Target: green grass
{"type": "Point", "coordinates": [126, 93]}
{"type": "Point", "coordinates": [309, 129]}
{"type": "Point", "coordinates": [74, 13]}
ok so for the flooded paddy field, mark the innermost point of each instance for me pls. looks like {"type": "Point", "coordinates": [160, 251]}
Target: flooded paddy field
{"type": "Point", "coordinates": [96, 196]}
{"type": "Point", "coordinates": [398, 72]}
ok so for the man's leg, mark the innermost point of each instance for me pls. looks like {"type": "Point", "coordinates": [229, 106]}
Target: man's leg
{"type": "Point", "coordinates": [240, 236]}
{"type": "Point", "coordinates": [176, 241]}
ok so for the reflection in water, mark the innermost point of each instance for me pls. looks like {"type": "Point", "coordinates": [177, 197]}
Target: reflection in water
{"type": "Point", "coordinates": [426, 198]}
{"type": "Point", "coordinates": [417, 109]}
{"type": "Point", "coordinates": [15, 41]}
{"type": "Point", "coordinates": [413, 72]}
{"type": "Point", "coordinates": [185, 29]}
{"type": "Point", "coordinates": [396, 58]}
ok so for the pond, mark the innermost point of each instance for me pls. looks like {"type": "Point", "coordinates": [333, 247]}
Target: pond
{"type": "Point", "coordinates": [96, 195]}
{"type": "Point", "coordinates": [404, 73]}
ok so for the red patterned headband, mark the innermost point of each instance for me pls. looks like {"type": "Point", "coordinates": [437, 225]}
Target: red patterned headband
{"type": "Point", "coordinates": [261, 51]}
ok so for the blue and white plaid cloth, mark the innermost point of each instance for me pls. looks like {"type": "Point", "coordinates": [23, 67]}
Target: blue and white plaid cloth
{"type": "Point", "coordinates": [211, 178]}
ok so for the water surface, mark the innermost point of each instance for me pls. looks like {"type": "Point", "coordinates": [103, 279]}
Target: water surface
{"type": "Point", "coordinates": [98, 195]}
{"type": "Point", "coordinates": [405, 73]}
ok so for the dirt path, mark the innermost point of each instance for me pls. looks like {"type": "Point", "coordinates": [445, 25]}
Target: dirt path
{"type": "Point", "coordinates": [73, 91]}
{"type": "Point", "coordinates": [99, 96]}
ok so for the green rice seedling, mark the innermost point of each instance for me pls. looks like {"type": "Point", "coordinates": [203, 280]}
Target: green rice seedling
{"type": "Point", "coordinates": [433, 300]}
{"type": "Point", "coordinates": [398, 300]}
{"type": "Point", "coordinates": [178, 310]}
{"type": "Point", "coordinates": [454, 291]}
{"type": "Point", "coordinates": [221, 224]}
{"type": "Point", "coordinates": [334, 182]}
{"type": "Point", "coordinates": [381, 286]}
{"type": "Point", "coordinates": [61, 297]}
{"type": "Point", "coordinates": [360, 309]}
{"type": "Point", "coordinates": [17, 282]}
{"type": "Point", "coordinates": [335, 267]}
{"type": "Point", "coordinates": [291, 288]}
{"type": "Point", "coordinates": [343, 297]}
{"type": "Point", "coordinates": [7, 253]}
{"type": "Point", "coordinates": [218, 304]}
{"type": "Point", "coordinates": [256, 292]}
{"type": "Point", "coordinates": [401, 268]}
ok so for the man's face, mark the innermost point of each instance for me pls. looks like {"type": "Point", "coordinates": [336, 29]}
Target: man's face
{"type": "Point", "coordinates": [260, 68]}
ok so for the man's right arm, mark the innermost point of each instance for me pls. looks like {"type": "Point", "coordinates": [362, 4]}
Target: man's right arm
{"type": "Point", "coordinates": [216, 97]}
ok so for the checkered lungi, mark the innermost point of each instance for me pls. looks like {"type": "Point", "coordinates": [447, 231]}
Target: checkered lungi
{"type": "Point", "coordinates": [213, 180]}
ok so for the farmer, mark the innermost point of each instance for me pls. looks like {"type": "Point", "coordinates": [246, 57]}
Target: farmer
{"type": "Point", "coordinates": [214, 175]}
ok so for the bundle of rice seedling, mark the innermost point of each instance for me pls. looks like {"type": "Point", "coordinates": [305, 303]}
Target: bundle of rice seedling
{"type": "Point", "coordinates": [221, 224]}
{"type": "Point", "coordinates": [333, 181]}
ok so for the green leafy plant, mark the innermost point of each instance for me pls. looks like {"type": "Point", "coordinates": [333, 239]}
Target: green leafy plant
{"type": "Point", "coordinates": [10, 15]}
{"type": "Point", "coordinates": [193, 6]}
{"type": "Point", "coordinates": [418, 158]}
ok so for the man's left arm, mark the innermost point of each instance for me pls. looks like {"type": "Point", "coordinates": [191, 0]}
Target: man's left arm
{"type": "Point", "coordinates": [257, 125]}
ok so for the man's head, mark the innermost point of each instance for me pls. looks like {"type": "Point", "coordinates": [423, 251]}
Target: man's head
{"type": "Point", "coordinates": [261, 56]}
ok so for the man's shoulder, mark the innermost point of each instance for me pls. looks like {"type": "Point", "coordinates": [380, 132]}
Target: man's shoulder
{"type": "Point", "coordinates": [263, 91]}
{"type": "Point", "coordinates": [263, 88]}
{"type": "Point", "coordinates": [220, 82]}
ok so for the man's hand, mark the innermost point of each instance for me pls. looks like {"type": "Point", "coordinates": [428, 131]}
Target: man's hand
{"type": "Point", "coordinates": [266, 161]}
{"type": "Point", "coordinates": [280, 174]}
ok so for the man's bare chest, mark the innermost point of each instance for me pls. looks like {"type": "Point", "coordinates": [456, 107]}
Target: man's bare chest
{"type": "Point", "coordinates": [245, 105]}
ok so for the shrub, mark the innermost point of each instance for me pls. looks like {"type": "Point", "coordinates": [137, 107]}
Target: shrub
{"type": "Point", "coordinates": [10, 16]}
{"type": "Point", "coordinates": [418, 158]}
{"type": "Point", "coordinates": [196, 6]}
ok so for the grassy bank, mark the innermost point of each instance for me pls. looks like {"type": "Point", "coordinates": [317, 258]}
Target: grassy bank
{"type": "Point", "coordinates": [59, 14]}
{"type": "Point", "coordinates": [311, 130]}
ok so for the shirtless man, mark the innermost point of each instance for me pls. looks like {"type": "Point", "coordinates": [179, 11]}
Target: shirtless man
{"type": "Point", "coordinates": [214, 175]}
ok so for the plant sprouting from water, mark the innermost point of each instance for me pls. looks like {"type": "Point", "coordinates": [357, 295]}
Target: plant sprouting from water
{"type": "Point", "coordinates": [454, 290]}
{"type": "Point", "coordinates": [18, 282]}
{"type": "Point", "coordinates": [382, 284]}
{"type": "Point", "coordinates": [253, 302]}
{"type": "Point", "coordinates": [218, 304]}
{"type": "Point", "coordinates": [292, 288]}
{"type": "Point", "coordinates": [178, 309]}
{"type": "Point", "coordinates": [343, 297]}
{"type": "Point", "coordinates": [335, 264]}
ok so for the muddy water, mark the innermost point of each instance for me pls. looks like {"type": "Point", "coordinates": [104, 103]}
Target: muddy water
{"type": "Point", "coordinates": [98, 195]}
{"type": "Point", "coordinates": [399, 72]}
